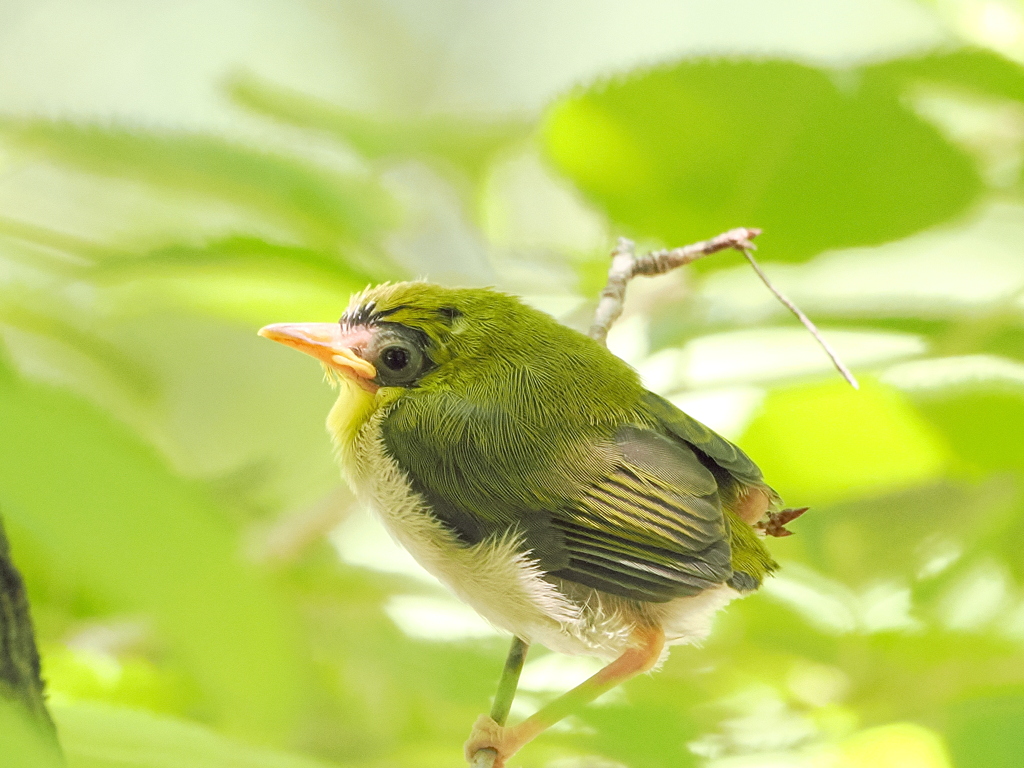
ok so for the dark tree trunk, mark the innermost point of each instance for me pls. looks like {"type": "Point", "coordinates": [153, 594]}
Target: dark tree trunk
{"type": "Point", "coordinates": [21, 686]}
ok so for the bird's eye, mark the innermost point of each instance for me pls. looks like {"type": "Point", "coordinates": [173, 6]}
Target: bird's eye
{"type": "Point", "coordinates": [395, 358]}
{"type": "Point", "coordinates": [399, 358]}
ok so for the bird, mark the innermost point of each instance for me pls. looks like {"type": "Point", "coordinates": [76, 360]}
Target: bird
{"type": "Point", "coordinates": [527, 467]}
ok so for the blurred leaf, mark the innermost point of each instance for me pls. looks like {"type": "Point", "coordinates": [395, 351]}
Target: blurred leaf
{"type": "Point", "coordinates": [241, 253]}
{"type": "Point", "coordinates": [75, 674]}
{"type": "Point", "coordinates": [826, 441]}
{"type": "Point", "coordinates": [971, 69]}
{"type": "Point", "coordinates": [110, 513]}
{"type": "Point", "coordinates": [238, 278]}
{"type": "Point", "coordinates": [900, 745]}
{"type": "Point", "coordinates": [988, 730]}
{"type": "Point", "coordinates": [252, 298]}
{"type": "Point", "coordinates": [326, 208]}
{"type": "Point", "coordinates": [99, 736]}
{"type": "Point", "coordinates": [55, 251]}
{"type": "Point", "coordinates": [22, 743]}
{"type": "Point", "coordinates": [983, 422]}
{"type": "Point", "coordinates": [466, 143]}
{"type": "Point", "coordinates": [856, 542]}
{"type": "Point", "coordinates": [651, 731]}
{"type": "Point", "coordinates": [44, 315]}
{"type": "Point", "coordinates": [384, 697]}
{"type": "Point", "coordinates": [819, 161]}
{"type": "Point", "coordinates": [765, 354]}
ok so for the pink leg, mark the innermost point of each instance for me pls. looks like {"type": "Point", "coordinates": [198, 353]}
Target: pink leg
{"type": "Point", "coordinates": [753, 506]}
{"type": "Point", "coordinates": [639, 657]}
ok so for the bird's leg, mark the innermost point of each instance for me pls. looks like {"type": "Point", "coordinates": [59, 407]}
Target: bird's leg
{"type": "Point", "coordinates": [509, 680]}
{"type": "Point", "coordinates": [506, 693]}
{"type": "Point", "coordinates": [752, 506]}
{"type": "Point", "coordinates": [641, 656]}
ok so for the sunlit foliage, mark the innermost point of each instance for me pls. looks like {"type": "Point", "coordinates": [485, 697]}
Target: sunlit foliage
{"type": "Point", "coordinates": [205, 591]}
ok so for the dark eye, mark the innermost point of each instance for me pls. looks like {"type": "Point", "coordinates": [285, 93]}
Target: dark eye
{"type": "Point", "coordinates": [395, 358]}
{"type": "Point", "coordinates": [400, 361]}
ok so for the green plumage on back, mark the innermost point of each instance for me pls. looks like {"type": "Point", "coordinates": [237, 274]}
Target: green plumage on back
{"type": "Point", "coordinates": [522, 425]}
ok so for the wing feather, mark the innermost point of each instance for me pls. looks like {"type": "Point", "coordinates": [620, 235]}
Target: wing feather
{"type": "Point", "coordinates": [724, 454]}
{"type": "Point", "coordinates": [632, 512]}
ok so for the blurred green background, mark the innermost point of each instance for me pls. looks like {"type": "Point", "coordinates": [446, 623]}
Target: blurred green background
{"type": "Point", "coordinates": [175, 175]}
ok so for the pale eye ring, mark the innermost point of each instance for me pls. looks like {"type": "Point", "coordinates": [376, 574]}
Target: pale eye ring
{"type": "Point", "coordinates": [400, 361]}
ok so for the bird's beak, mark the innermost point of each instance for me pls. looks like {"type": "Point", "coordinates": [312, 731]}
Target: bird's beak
{"type": "Point", "coordinates": [325, 342]}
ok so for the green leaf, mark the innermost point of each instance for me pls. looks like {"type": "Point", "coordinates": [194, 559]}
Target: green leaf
{"type": "Point", "coordinates": [982, 420]}
{"type": "Point", "coordinates": [681, 153]}
{"type": "Point", "coordinates": [968, 70]}
{"type": "Point", "coordinates": [45, 247]}
{"type": "Point", "coordinates": [650, 731]}
{"type": "Point", "coordinates": [468, 144]}
{"type": "Point", "coordinates": [897, 745]}
{"type": "Point", "coordinates": [325, 208]}
{"type": "Point", "coordinates": [827, 442]}
{"type": "Point", "coordinates": [853, 540]}
{"type": "Point", "coordinates": [241, 253]}
{"type": "Point", "coordinates": [988, 730]}
{"type": "Point", "coordinates": [104, 507]}
{"type": "Point", "coordinates": [100, 736]}
{"type": "Point", "coordinates": [23, 742]}
{"type": "Point", "coordinates": [245, 279]}
{"type": "Point", "coordinates": [41, 314]}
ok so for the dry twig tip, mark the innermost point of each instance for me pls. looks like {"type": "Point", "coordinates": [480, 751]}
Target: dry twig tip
{"type": "Point", "coordinates": [810, 326]}
{"type": "Point", "coordinates": [626, 265]}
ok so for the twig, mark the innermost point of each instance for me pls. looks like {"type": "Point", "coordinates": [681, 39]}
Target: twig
{"type": "Point", "coordinates": [484, 758]}
{"type": "Point", "coordinates": [805, 320]}
{"type": "Point", "coordinates": [509, 680]}
{"type": "Point", "coordinates": [626, 265]}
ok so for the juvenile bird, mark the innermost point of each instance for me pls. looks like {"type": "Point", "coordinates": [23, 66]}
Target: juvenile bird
{"type": "Point", "coordinates": [528, 469]}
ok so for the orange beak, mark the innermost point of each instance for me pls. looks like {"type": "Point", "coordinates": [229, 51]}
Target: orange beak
{"type": "Point", "coordinates": [325, 342]}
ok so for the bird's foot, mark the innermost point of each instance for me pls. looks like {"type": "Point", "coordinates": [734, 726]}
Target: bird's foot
{"type": "Point", "coordinates": [487, 734]}
{"type": "Point", "coordinates": [775, 522]}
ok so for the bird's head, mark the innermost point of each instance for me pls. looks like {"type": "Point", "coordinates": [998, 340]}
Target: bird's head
{"type": "Point", "coordinates": [435, 346]}
{"type": "Point", "coordinates": [400, 335]}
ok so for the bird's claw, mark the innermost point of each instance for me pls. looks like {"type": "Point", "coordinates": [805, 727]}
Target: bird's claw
{"type": "Point", "coordinates": [487, 734]}
{"type": "Point", "coordinates": [774, 524]}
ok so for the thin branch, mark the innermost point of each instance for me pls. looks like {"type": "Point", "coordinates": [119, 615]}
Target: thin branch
{"type": "Point", "coordinates": [810, 326]}
{"type": "Point", "coordinates": [626, 265]}
{"type": "Point", "coordinates": [484, 758]}
{"type": "Point", "coordinates": [509, 680]}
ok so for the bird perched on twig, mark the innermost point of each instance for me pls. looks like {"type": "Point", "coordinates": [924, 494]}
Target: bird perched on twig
{"type": "Point", "coordinates": [527, 468]}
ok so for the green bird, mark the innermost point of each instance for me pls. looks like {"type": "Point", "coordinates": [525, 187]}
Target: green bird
{"type": "Point", "coordinates": [526, 467]}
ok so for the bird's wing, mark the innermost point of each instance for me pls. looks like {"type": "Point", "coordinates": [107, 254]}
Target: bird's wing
{"type": "Point", "coordinates": [736, 465]}
{"type": "Point", "coordinates": [651, 529]}
{"type": "Point", "coordinates": [633, 513]}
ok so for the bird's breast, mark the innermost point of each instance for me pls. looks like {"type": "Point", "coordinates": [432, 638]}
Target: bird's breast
{"type": "Point", "coordinates": [495, 576]}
